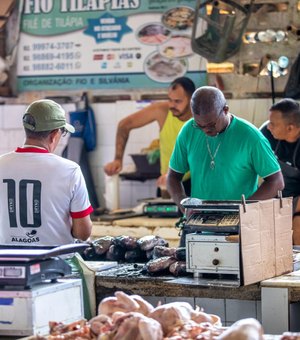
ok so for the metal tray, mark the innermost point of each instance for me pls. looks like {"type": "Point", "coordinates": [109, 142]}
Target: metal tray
{"type": "Point", "coordinates": [38, 253]}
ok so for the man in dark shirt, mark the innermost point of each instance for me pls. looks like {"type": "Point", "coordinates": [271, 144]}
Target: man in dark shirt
{"type": "Point", "coordinates": [283, 133]}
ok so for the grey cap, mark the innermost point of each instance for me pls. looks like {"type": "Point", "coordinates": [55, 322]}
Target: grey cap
{"type": "Point", "coordinates": [48, 115]}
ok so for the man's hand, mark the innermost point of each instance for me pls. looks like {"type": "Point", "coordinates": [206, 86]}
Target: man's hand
{"type": "Point", "coordinates": [113, 167]}
{"type": "Point", "coordinates": [161, 182]}
{"type": "Point", "coordinates": [175, 188]}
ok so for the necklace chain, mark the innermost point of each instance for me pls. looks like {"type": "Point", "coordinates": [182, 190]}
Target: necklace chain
{"type": "Point", "coordinates": [213, 156]}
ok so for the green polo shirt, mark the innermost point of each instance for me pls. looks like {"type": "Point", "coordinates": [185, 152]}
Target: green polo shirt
{"type": "Point", "coordinates": [241, 155]}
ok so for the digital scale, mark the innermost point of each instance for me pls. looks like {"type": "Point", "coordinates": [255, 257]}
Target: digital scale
{"type": "Point", "coordinates": [161, 207]}
{"type": "Point", "coordinates": [25, 266]}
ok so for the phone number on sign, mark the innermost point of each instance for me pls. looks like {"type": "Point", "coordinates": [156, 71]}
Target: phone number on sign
{"type": "Point", "coordinates": [53, 56]}
{"type": "Point", "coordinates": [55, 67]}
{"type": "Point", "coordinates": [53, 46]}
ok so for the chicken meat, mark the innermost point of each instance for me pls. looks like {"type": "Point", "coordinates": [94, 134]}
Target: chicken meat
{"type": "Point", "coordinates": [244, 329]}
{"type": "Point", "coordinates": [138, 327]}
{"type": "Point", "coordinates": [122, 302]}
{"type": "Point", "coordinates": [173, 314]}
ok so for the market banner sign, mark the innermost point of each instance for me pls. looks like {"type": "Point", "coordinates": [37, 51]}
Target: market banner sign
{"type": "Point", "coordinates": [106, 44]}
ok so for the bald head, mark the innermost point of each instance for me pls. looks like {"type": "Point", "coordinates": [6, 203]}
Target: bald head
{"type": "Point", "coordinates": [206, 100]}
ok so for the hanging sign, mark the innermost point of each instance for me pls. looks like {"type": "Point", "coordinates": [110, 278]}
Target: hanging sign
{"type": "Point", "coordinates": [106, 44]}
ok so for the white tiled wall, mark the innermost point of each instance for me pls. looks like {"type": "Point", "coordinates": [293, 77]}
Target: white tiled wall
{"type": "Point", "coordinates": [107, 116]}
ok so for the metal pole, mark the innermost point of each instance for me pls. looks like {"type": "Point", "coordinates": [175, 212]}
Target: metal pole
{"type": "Point", "coordinates": [272, 84]}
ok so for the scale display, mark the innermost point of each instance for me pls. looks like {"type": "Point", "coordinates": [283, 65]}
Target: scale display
{"type": "Point", "coordinates": [161, 209]}
{"type": "Point", "coordinates": [12, 272]}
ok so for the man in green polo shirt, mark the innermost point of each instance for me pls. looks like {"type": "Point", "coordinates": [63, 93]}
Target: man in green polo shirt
{"type": "Point", "coordinates": [225, 154]}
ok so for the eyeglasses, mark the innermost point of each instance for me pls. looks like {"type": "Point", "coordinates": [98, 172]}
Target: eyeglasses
{"type": "Point", "coordinates": [64, 131]}
{"type": "Point", "coordinates": [209, 126]}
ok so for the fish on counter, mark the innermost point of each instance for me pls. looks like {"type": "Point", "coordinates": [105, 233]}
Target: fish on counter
{"type": "Point", "coordinates": [98, 248]}
{"type": "Point", "coordinates": [159, 265]}
{"type": "Point", "coordinates": [151, 250]}
{"type": "Point", "coordinates": [178, 268]}
{"type": "Point", "coordinates": [160, 251]}
{"type": "Point", "coordinates": [115, 253]}
{"type": "Point", "coordinates": [135, 255]}
{"type": "Point", "coordinates": [150, 241]}
{"type": "Point", "coordinates": [127, 242]}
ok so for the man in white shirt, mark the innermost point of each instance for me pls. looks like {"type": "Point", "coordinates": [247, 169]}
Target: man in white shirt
{"type": "Point", "coordinates": [43, 197]}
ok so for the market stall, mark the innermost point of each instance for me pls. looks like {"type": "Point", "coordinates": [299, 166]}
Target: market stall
{"type": "Point", "coordinates": [227, 279]}
{"type": "Point", "coordinates": [212, 272]}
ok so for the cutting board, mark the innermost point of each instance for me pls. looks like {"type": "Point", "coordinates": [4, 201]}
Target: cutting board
{"type": "Point", "coordinates": [139, 227]}
{"type": "Point", "coordinates": [144, 221]}
{"type": "Point", "coordinates": [98, 266]}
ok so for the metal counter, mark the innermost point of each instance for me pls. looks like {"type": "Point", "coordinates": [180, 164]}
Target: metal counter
{"type": "Point", "coordinates": [126, 278]}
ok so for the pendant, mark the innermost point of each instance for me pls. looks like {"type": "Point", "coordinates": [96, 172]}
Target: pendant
{"type": "Point", "coordinates": [212, 164]}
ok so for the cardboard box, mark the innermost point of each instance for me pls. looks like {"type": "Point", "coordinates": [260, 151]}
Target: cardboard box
{"type": "Point", "coordinates": [28, 312]}
{"type": "Point", "coordinates": [266, 239]}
